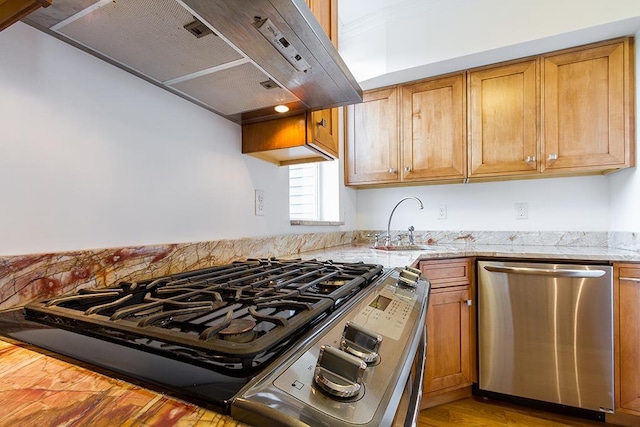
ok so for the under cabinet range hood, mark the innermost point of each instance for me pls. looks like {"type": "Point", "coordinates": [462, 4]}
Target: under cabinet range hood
{"type": "Point", "coordinates": [237, 58]}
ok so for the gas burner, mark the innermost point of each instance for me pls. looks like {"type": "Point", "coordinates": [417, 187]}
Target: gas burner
{"type": "Point", "coordinates": [331, 285]}
{"type": "Point", "coordinates": [239, 330]}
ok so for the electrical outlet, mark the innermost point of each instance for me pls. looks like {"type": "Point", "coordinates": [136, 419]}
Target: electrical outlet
{"type": "Point", "coordinates": [259, 202]}
{"type": "Point", "coordinates": [442, 212]}
{"type": "Point", "coordinates": [522, 211]}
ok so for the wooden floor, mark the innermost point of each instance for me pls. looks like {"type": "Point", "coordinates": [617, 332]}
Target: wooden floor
{"type": "Point", "coordinates": [476, 411]}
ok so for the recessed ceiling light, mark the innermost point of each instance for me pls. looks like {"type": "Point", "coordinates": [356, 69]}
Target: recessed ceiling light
{"type": "Point", "coordinates": [281, 108]}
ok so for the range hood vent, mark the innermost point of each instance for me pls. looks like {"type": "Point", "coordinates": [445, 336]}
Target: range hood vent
{"type": "Point", "coordinates": [198, 29]}
{"type": "Point", "coordinates": [240, 48]}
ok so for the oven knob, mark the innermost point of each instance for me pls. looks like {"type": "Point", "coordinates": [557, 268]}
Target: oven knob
{"type": "Point", "coordinates": [338, 373]}
{"type": "Point", "coordinates": [361, 342]}
{"type": "Point", "coordinates": [409, 276]}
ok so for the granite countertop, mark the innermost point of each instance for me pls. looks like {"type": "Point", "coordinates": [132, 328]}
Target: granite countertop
{"type": "Point", "coordinates": [401, 258]}
{"type": "Point", "coordinates": [37, 389]}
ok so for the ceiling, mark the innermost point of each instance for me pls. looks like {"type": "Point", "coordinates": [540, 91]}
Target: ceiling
{"type": "Point", "coordinates": [385, 42]}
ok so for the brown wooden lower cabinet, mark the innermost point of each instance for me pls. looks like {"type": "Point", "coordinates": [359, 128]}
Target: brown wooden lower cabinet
{"type": "Point", "coordinates": [627, 280]}
{"type": "Point", "coordinates": [450, 364]}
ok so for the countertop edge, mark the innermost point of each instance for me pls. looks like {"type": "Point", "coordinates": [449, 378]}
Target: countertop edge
{"type": "Point", "coordinates": [399, 258]}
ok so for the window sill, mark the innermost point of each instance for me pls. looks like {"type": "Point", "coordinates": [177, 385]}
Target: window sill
{"type": "Point", "coordinates": [308, 222]}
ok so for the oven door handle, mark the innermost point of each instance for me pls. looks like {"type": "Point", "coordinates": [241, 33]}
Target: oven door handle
{"type": "Point", "coordinates": [416, 388]}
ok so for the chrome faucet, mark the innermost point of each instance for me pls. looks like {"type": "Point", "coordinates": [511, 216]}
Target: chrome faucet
{"type": "Point", "coordinates": [387, 238]}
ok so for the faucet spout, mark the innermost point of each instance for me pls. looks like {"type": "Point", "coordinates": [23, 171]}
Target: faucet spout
{"type": "Point", "coordinates": [388, 236]}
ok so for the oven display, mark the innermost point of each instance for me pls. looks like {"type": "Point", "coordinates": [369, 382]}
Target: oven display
{"type": "Point", "coordinates": [381, 303]}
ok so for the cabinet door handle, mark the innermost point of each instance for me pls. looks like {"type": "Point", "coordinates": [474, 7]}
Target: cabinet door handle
{"type": "Point", "coordinates": [322, 123]}
{"type": "Point", "coordinates": [552, 157]}
{"type": "Point", "coordinates": [630, 279]}
{"type": "Point", "coordinates": [530, 159]}
{"type": "Point", "coordinates": [467, 301]}
{"type": "Point", "coordinates": [407, 169]}
{"type": "Point", "coordinates": [392, 170]}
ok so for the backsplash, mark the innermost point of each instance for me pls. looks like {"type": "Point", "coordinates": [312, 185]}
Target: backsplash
{"type": "Point", "coordinates": [26, 278]}
{"type": "Point", "coordinates": [543, 238]}
{"type": "Point", "coordinates": [621, 240]}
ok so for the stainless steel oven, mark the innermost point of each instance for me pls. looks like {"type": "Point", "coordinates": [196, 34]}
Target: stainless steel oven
{"type": "Point", "coordinates": [271, 342]}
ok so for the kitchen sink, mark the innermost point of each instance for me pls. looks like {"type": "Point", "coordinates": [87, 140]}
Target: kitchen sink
{"type": "Point", "coordinates": [405, 248]}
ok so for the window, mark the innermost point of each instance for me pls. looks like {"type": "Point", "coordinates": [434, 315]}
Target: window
{"type": "Point", "coordinates": [313, 192]}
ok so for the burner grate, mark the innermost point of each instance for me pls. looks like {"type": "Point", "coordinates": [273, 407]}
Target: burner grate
{"type": "Point", "coordinates": [239, 313]}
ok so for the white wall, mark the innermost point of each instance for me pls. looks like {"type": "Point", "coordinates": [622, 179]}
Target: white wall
{"type": "Point", "coordinates": [92, 157]}
{"type": "Point", "coordinates": [391, 41]}
{"type": "Point", "coordinates": [556, 204]}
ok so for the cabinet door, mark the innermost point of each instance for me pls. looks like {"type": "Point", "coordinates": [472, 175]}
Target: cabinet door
{"type": "Point", "coordinates": [322, 130]}
{"type": "Point", "coordinates": [628, 280]}
{"type": "Point", "coordinates": [503, 120]}
{"type": "Point", "coordinates": [448, 364]}
{"type": "Point", "coordinates": [372, 139]}
{"type": "Point", "coordinates": [326, 13]}
{"type": "Point", "coordinates": [11, 11]}
{"type": "Point", "coordinates": [587, 108]}
{"type": "Point", "coordinates": [434, 121]}
{"type": "Point", "coordinates": [323, 126]}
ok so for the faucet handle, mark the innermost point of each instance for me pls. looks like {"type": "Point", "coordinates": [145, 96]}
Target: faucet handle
{"type": "Point", "coordinates": [411, 238]}
{"type": "Point", "coordinates": [376, 237]}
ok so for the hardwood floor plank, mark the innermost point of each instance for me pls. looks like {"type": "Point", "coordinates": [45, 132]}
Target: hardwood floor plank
{"type": "Point", "coordinates": [476, 411]}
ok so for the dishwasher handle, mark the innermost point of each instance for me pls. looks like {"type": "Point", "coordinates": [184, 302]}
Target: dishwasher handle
{"type": "Point", "coordinates": [546, 271]}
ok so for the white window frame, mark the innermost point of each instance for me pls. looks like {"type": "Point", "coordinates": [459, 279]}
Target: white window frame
{"type": "Point", "coordinates": [320, 190]}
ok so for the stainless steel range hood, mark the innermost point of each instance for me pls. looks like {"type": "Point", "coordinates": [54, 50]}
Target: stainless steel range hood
{"type": "Point", "coordinates": [237, 58]}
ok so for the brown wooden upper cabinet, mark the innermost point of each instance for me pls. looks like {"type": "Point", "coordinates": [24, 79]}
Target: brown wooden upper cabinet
{"type": "Point", "coordinates": [408, 133]}
{"type": "Point", "coordinates": [566, 113]}
{"type": "Point", "coordinates": [372, 140]}
{"type": "Point", "coordinates": [12, 11]}
{"type": "Point", "coordinates": [302, 138]}
{"type": "Point", "coordinates": [326, 12]}
{"type": "Point", "coordinates": [504, 119]}
{"type": "Point", "coordinates": [326, 121]}
{"type": "Point", "coordinates": [433, 137]}
{"type": "Point", "coordinates": [588, 104]}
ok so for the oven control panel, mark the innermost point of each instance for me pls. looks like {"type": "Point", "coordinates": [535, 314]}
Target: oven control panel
{"type": "Point", "coordinates": [347, 373]}
{"type": "Point", "coordinates": [385, 314]}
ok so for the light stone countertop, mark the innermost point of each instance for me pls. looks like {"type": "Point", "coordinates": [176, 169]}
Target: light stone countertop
{"type": "Point", "coordinates": [390, 259]}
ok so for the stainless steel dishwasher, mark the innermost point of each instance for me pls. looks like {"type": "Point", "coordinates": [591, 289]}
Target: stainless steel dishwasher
{"type": "Point", "coordinates": [545, 332]}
